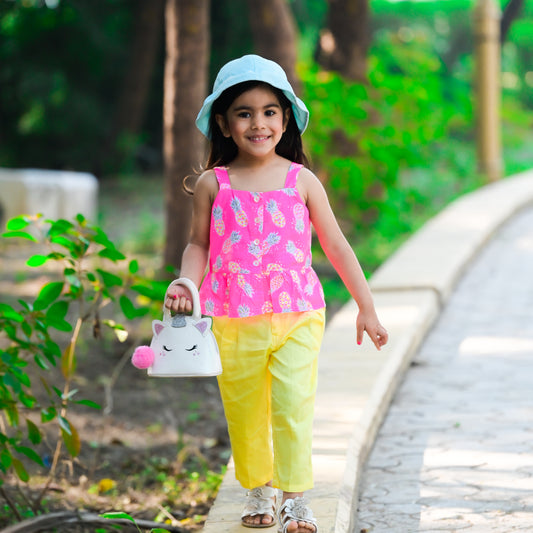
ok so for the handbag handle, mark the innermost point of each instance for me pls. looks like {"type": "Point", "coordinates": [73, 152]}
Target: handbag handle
{"type": "Point", "coordinates": [186, 282]}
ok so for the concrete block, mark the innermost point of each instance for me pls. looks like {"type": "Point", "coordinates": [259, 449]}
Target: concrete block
{"type": "Point", "coordinates": [55, 194]}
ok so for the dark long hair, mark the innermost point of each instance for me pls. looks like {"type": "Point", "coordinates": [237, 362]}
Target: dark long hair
{"type": "Point", "coordinates": [224, 150]}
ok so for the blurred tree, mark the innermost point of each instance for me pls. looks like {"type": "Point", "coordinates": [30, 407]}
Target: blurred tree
{"type": "Point", "coordinates": [462, 43]}
{"type": "Point", "coordinates": [228, 45]}
{"type": "Point", "coordinates": [343, 43]}
{"type": "Point", "coordinates": [274, 34]}
{"type": "Point", "coordinates": [59, 70]}
{"type": "Point", "coordinates": [187, 40]}
{"type": "Point", "coordinates": [510, 13]}
{"type": "Point", "coordinates": [133, 95]}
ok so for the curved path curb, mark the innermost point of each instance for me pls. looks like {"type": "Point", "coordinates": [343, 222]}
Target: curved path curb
{"type": "Point", "coordinates": [356, 384]}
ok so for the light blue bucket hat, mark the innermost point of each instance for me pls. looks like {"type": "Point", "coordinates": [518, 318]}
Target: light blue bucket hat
{"type": "Point", "coordinates": [252, 68]}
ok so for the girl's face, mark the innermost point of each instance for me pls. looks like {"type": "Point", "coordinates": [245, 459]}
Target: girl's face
{"type": "Point", "coordinates": [255, 121]}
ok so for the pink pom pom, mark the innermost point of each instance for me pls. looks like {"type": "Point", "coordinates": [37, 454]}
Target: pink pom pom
{"type": "Point", "coordinates": [143, 357]}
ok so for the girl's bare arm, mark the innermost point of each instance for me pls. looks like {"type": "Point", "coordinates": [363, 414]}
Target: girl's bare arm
{"type": "Point", "coordinates": [341, 256]}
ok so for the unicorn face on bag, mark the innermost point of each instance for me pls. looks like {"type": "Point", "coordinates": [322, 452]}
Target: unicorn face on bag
{"type": "Point", "coordinates": [181, 339]}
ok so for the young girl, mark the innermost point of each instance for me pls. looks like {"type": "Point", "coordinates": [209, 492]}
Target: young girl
{"type": "Point", "coordinates": [252, 216]}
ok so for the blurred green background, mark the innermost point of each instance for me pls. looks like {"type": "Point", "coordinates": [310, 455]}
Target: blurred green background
{"type": "Point", "coordinates": [392, 152]}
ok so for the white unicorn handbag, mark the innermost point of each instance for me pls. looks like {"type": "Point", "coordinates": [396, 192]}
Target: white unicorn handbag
{"type": "Point", "coordinates": [182, 345]}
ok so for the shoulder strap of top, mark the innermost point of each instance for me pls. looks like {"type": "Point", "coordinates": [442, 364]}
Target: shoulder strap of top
{"type": "Point", "coordinates": [222, 177]}
{"type": "Point", "coordinates": [292, 175]}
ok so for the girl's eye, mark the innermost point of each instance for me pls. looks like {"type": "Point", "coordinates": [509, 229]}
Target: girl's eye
{"type": "Point", "coordinates": [191, 349]}
{"type": "Point", "coordinates": [270, 113]}
{"type": "Point", "coordinates": [167, 349]}
{"type": "Point", "coordinates": [244, 114]}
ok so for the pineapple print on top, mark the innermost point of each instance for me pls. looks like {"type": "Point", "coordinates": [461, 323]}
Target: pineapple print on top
{"type": "Point", "coordinates": [299, 214]}
{"type": "Point", "coordinates": [219, 223]}
{"type": "Point", "coordinates": [272, 240]}
{"type": "Point", "coordinates": [234, 238]}
{"type": "Point", "coordinates": [240, 215]}
{"type": "Point", "coordinates": [277, 215]}
{"type": "Point", "coordinates": [295, 252]}
{"type": "Point", "coordinates": [260, 252]}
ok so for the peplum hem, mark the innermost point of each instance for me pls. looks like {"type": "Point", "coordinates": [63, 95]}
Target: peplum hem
{"type": "Point", "coordinates": [244, 294]}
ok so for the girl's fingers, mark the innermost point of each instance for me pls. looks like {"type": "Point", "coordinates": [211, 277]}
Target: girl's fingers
{"type": "Point", "coordinates": [178, 304]}
{"type": "Point", "coordinates": [169, 300]}
{"type": "Point", "coordinates": [378, 335]}
{"type": "Point", "coordinates": [381, 337]}
{"type": "Point", "coordinates": [360, 334]}
{"type": "Point", "coordinates": [185, 305]}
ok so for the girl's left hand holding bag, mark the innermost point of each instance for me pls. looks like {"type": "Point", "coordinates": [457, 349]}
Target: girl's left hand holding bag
{"type": "Point", "coordinates": [183, 345]}
{"type": "Point", "coordinates": [178, 300]}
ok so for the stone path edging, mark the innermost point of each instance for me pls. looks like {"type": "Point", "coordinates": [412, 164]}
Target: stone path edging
{"type": "Point", "coordinates": [356, 384]}
{"type": "Point", "coordinates": [455, 450]}
{"type": "Point", "coordinates": [430, 262]}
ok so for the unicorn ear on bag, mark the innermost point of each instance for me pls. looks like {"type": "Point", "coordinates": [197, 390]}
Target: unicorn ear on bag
{"type": "Point", "coordinates": [204, 325]}
{"type": "Point", "coordinates": [157, 327]}
{"type": "Point", "coordinates": [182, 345]}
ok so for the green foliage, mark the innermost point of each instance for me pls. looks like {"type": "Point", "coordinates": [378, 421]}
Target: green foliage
{"type": "Point", "coordinates": [450, 24]}
{"type": "Point", "coordinates": [228, 44]}
{"type": "Point", "coordinates": [60, 71]}
{"type": "Point", "coordinates": [32, 333]}
{"type": "Point", "coordinates": [394, 151]}
{"type": "Point", "coordinates": [363, 135]}
{"type": "Point", "coordinates": [126, 516]}
{"type": "Point", "coordinates": [61, 67]}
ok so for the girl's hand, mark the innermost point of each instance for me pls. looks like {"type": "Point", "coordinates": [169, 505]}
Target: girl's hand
{"type": "Point", "coordinates": [179, 300]}
{"type": "Point", "coordinates": [377, 333]}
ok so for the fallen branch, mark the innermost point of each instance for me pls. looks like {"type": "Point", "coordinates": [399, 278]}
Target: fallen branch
{"type": "Point", "coordinates": [62, 518]}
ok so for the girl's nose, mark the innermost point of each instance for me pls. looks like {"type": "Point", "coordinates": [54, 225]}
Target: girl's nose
{"type": "Point", "coordinates": [257, 122]}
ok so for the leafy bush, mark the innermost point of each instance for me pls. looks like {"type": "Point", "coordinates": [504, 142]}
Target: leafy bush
{"type": "Point", "coordinates": [60, 71]}
{"type": "Point", "coordinates": [363, 136]}
{"type": "Point", "coordinates": [394, 151]}
{"type": "Point", "coordinates": [31, 333]}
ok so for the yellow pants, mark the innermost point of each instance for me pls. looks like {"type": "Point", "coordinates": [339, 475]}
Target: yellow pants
{"type": "Point", "coordinates": [268, 387]}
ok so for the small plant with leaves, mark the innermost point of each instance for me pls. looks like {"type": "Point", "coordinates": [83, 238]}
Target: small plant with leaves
{"type": "Point", "coordinates": [37, 336]}
{"type": "Point", "coordinates": [125, 516]}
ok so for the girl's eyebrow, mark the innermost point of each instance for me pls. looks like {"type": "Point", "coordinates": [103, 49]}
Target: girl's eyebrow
{"type": "Point", "coordinates": [246, 107]}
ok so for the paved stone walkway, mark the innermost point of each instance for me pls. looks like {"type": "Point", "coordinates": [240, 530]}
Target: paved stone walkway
{"type": "Point", "coordinates": [455, 452]}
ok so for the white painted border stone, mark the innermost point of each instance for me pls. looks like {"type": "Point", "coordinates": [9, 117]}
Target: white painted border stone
{"type": "Point", "coordinates": [435, 257]}
{"type": "Point", "coordinates": [54, 193]}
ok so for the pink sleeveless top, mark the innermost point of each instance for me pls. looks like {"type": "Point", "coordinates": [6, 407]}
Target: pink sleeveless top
{"type": "Point", "coordinates": [260, 252]}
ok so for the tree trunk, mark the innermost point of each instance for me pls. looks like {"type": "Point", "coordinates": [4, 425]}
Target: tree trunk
{"type": "Point", "coordinates": [133, 95]}
{"type": "Point", "coordinates": [343, 44]}
{"type": "Point", "coordinates": [187, 39]}
{"type": "Point", "coordinates": [274, 32]}
{"type": "Point", "coordinates": [510, 13]}
{"type": "Point", "coordinates": [462, 40]}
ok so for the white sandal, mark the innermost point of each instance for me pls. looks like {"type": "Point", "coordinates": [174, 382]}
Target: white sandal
{"type": "Point", "coordinates": [260, 501]}
{"type": "Point", "coordinates": [295, 510]}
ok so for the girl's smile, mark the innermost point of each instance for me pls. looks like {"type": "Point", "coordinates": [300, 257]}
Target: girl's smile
{"type": "Point", "coordinates": [255, 121]}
